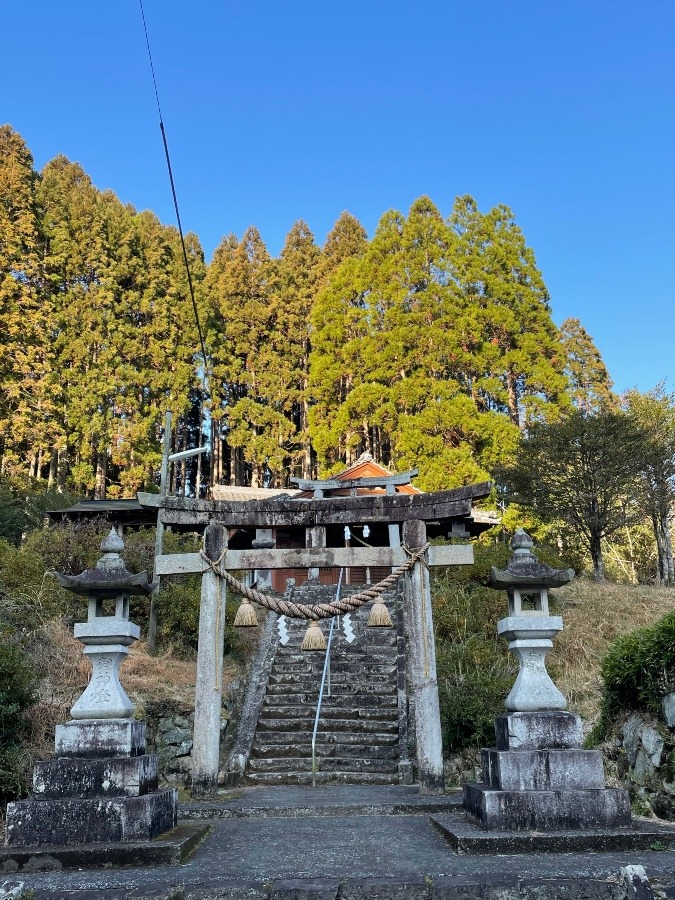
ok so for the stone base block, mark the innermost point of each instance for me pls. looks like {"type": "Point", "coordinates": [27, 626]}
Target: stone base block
{"type": "Point", "coordinates": [546, 810]}
{"type": "Point", "coordinates": [538, 731]}
{"type": "Point", "coordinates": [543, 770]}
{"type": "Point", "coordinates": [171, 849]}
{"type": "Point", "coordinates": [466, 837]}
{"type": "Point", "coordinates": [100, 738]}
{"type": "Point", "coordinates": [124, 776]}
{"type": "Point", "coordinates": [90, 821]}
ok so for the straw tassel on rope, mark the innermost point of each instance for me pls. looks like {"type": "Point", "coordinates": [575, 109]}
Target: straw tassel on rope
{"type": "Point", "coordinates": [246, 617]}
{"type": "Point", "coordinates": [314, 639]}
{"type": "Point", "coordinates": [379, 615]}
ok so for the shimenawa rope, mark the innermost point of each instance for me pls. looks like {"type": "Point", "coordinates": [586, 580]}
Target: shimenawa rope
{"type": "Point", "coordinates": [317, 610]}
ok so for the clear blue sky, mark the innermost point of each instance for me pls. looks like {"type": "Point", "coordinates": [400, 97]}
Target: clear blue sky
{"type": "Point", "coordinates": [283, 110]}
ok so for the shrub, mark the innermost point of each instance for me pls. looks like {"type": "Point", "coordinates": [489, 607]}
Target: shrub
{"type": "Point", "coordinates": [17, 692]}
{"type": "Point", "coordinates": [639, 668]}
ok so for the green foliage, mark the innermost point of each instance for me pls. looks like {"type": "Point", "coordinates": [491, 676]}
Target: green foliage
{"type": "Point", "coordinates": [654, 414]}
{"type": "Point", "coordinates": [639, 668]}
{"type": "Point", "coordinates": [590, 387]}
{"type": "Point", "coordinates": [431, 345]}
{"type": "Point", "coordinates": [474, 670]}
{"type": "Point", "coordinates": [473, 680]}
{"type": "Point", "coordinates": [13, 519]}
{"type": "Point", "coordinates": [582, 470]}
{"type": "Point", "coordinates": [18, 685]}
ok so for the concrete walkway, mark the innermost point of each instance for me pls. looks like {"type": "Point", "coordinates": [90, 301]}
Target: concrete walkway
{"type": "Point", "coordinates": [346, 843]}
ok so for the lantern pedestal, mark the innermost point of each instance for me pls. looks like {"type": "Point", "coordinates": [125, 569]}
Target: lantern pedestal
{"type": "Point", "coordinates": [538, 778]}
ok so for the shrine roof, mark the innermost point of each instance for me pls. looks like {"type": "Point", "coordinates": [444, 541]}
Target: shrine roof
{"type": "Point", "coordinates": [364, 467]}
{"type": "Point", "coordinates": [226, 492]}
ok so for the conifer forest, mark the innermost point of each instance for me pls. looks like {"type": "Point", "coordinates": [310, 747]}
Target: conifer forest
{"type": "Point", "coordinates": [430, 344]}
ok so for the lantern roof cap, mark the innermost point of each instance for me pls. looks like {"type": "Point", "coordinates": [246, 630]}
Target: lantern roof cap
{"type": "Point", "coordinates": [110, 575]}
{"type": "Point", "coordinates": [525, 570]}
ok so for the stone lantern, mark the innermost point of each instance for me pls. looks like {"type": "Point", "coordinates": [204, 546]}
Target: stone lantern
{"type": "Point", "coordinates": [529, 628]}
{"type": "Point", "coordinates": [107, 633]}
{"type": "Point", "coordinates": [538, 777]}
{"type": "Point", "coordinates": [101, 786]}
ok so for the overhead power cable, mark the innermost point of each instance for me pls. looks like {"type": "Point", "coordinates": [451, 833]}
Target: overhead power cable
{"type": "Point", "coordinates": [175, 203]}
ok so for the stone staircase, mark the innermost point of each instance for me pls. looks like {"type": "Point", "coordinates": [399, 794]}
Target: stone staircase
{"type": "Point", "coordinates": [358, 735]}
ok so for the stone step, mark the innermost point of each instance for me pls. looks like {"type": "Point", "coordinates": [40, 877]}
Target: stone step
{"type": "Point", "coordinates": [328, 764]}
{"type": "Point", "coordinates": [375, 738]}
{"type": "Point", "coordinates": [306, 680]}
{"type": "Point", "coordinates": [369, 637]}
{"type": "Point", "coordinates": [353, 726]}
{"type": "Point", "coordinates": [337, 688]}
{"type": "Point", "coordinates": [316, 657]}
{"type": "Point", "coordinates": [304, 749]}
{"type": "Point", "coordinates": [337, 666]}
{"type": "Point", "coordinates": [381, 656]}
{"type": "Point", "coordinates": [356, 698]}
{"type": "Point", "coordinates": [353, 714]}
{"type": "Point", "coordinates": [291, 777]}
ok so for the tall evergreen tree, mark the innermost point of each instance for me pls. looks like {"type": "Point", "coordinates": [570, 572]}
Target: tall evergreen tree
{"type": "Point", "coordinates": [250, 410]}
{"type": "Point", "coordinates": [28, 429]}
{"type": "Point", "coordinates": [298, 273]}
{"type": "Point", "coordinates": [590, 387]}
{"type": "Point", "coordinates": [513, 357]}
{"type": "Point", "coordinates": [389, 359]}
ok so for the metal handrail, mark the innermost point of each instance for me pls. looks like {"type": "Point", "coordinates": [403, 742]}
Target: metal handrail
{"type": "Point", "coordinates": [325, 676]}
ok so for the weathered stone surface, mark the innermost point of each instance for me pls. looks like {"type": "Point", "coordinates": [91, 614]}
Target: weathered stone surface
{"type": "Point", "coordinates": [468, 837]}
{"type": "Point", "coordinates": [644, 748]}
{"type": "Point", "coordinates": [530, 639]}
{"type": "Point", "coordinates": [301, 889]}
{"type": "Point", "coordinates": [537, 770]}
{"type": "Point", "coordinates": [636, 882]}
{"type": "Point", "coordinates": [555, 730]}
{"type": "Point", "coordinates": [90, 821]}
{"type": "Point", "coordinates": [668, 707]}
{"type": "Point", "coordinates": [652, 743]}
{"type": "Point", "coordinates": [130, 776]}
{"type": "Point", "coordinates": [170, 850]}
{"type": "Point", "coordinates": [385, 889]}
{"type": "Point", "coordinates": [113, 737]}
{"type": "Point", "coordinates": [546, 810]}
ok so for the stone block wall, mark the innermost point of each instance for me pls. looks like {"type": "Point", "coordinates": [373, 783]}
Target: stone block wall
{"type": "Point", "coordinates": [641, 757]}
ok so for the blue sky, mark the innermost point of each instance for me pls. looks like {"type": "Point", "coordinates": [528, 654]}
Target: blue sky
{"type": "Point", "coordinates": [277, 111]}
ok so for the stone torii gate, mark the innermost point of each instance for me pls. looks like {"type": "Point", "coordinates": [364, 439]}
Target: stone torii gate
{"type": "Point", "coordinates": [412, 511]}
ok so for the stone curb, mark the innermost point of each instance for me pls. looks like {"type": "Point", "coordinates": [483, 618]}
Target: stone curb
{"type": "Point", "coordinates": [625, 886]}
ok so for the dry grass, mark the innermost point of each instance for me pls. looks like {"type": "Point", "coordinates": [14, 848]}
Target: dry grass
{"type": "Point", "coordinates": [594, 615]}
{"type": "Point", "coordinates": [66, 671]}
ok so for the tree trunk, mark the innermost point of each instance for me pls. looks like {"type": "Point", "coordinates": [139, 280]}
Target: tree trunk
{"type": "Point", "coordinates": [306, 444]}
{"type": "Point", "coordinates": [62, 473]}
{"type": "Point", "coordinates": [53, 467]}
{"type": "Point", "coordinates": [512, 389]}
{"type": "Point", "coordinates": [101, 474]}
{"type": "Point", "coordinates": [596, 555]}
{"type": "Point", "coordinates": [664, 545]}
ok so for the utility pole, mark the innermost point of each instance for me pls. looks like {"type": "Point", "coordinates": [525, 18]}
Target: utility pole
{"type": "Point", "coordinates": [159, 535]}
{"type": "Point", "coordinates": [167, 457]}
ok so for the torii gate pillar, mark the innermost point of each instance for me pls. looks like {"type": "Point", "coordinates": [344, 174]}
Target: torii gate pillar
{"type": "Point", "coordinates": [209, 682]}
{"type": "Point", "coordinates": [421, 663]}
